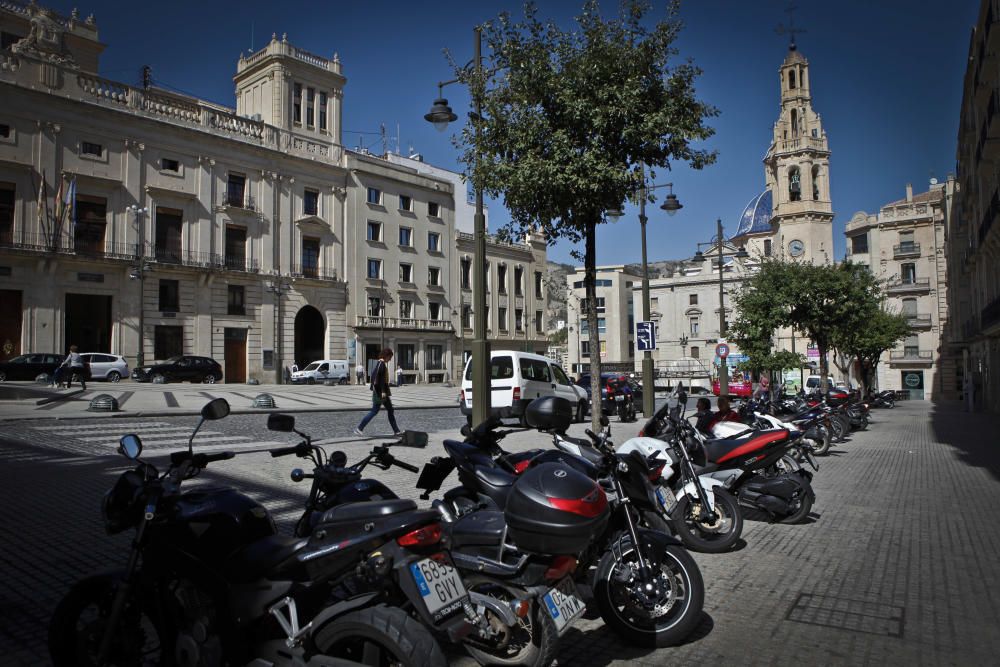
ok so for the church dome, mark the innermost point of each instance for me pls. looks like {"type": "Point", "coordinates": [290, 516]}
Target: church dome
{"type": "Point", "coordinates": [756, 217]}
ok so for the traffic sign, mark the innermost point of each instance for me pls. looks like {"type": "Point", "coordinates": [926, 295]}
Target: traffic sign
{"type": "Point", "coordinates": [722, 350]}
{"type": "Point", "coordinates": [645, 336]}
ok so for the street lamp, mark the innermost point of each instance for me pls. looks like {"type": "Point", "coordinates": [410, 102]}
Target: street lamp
{"type": "Point", "coordinates": [699, 258]}
{"type": "Point", "coordinates": [440, 115]}
{"type": "Point", "coordinates": [138, 272]}
{"type": "Point", "coordinates": [278, 288]}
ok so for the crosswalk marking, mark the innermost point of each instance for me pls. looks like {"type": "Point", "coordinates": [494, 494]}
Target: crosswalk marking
{"type": "Point", "coordinates": [102, 427]}
{"type": "Point", "coordinates": [167, 431]}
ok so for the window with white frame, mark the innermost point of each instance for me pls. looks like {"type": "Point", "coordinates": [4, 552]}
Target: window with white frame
{"type": "Point", "coordinates": [406, 237]}
{"type": "Point", "coordinates": [694, 325]}
{"type": "Point", "coordinates": [405, 203]}
{"type": "Point", "coordinates": [374, 231]}
{"type": "Point", "coordinates": [434, 276]}
{"type": "Point", "coordinates": [406, 273]}
{"type": "Point", "coordinates": [434, 310]}
{"type": "Point", "coordinates": [433, 242]}
{"type": "Point", "coordinates": [374, 268]}
{"type": "Point", "coordinates": [518, 319]}
{"type": "Point", "coordinates": [375, 306]}
{"type": "Point", "coordinates": [374, 196]}
{"type": "Point", "coordinates": [310, 202]}
{"type": "Point", "coordinates": [433, 209]}
{"type": "Point", "coordinates": [502, 318]}
{"type": "Point", "coordinates": [405, 309]}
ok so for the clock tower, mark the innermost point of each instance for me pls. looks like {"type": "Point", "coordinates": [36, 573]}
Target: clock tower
{"type": "Point", "coordinates": [797, 171]}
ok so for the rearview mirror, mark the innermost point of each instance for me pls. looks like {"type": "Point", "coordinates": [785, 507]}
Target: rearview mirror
{"type": "Point", "coordinates": [279, 422]}
{"type": "Point", "coordinates": [215, 409]}
{"type": "Point", "coordinates": [130, 446]}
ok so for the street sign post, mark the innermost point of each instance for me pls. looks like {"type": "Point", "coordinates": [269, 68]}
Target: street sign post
{"type": "Point", "coordinates": [645, 336]}
{"type": "Point", "coordinates": [722, 350]}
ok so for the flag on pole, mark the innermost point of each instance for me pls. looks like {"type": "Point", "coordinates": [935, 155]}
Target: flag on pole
{"type": "Point", "coordinates": [69, 205]}
{"type": "Point", "coordinates": [59, 208]}
{"type": "Point", "coordinates": [42, 226]}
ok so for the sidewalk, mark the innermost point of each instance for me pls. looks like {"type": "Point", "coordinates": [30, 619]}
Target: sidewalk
{"type": "Point", "coordinates": [25, 400]}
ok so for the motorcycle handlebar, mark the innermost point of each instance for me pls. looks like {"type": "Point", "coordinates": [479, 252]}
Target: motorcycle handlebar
{"type": "Point", "coordinates": [300, 449]}
{"type": "Point", "coordinates": [406, 466]}
{"type": "Point", "coordinates": [202, 460]}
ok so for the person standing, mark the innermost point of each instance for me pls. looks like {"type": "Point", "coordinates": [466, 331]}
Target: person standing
{"type": "Point", "coordinates": [399, 375]}
{"type": "Point", "coordinates": [381, 394]}
{"type": "Point", "coordinates": [360, 373]}
{"type": "Point", "coordinates": [295, 367]}
{"type": "Point", "coordinates": [74, 363]}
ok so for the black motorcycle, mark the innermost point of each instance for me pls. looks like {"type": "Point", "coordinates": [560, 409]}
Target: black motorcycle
{"type": "Point", "coordinates": [647, 587]}
{"type": "Point", "coordinates": [621, 399]}
{"type": "Point", "coordinates": [209, 582]}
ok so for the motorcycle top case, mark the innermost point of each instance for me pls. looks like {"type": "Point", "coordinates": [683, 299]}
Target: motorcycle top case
{"type": "Point", "coordinates": [549, 413]}
{"type": "Point", "coordinates": [554, 509]}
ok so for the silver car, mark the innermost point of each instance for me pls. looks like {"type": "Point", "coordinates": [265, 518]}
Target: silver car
{"type": "Point", "coordinates": [110, 367]}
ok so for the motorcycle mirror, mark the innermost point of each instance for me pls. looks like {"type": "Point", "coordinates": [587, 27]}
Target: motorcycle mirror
{"type": "Point", "coordinates": [215, 409]}
{"type": "Point", "coordinates": [130, 446]}
{"type": "Point", "coordinates": [280, 422]}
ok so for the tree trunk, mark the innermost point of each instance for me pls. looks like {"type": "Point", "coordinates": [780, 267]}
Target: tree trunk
{"type": "Point", "coordinates": [824, 369]}
{"type": "Point", "coordinates": [589, 283]}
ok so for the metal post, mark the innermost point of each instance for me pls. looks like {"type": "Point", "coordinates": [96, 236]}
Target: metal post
{"type": "Point", "coordinates": [279, 364]}
{"type": "Point", "coordinates": [648, 383]}
{"type": "Point", "coordinates": [723, 367]}
{"type": "Point", "coordinates": [381, 310]}
{"type": "Point", "coordinates": [481, 389]}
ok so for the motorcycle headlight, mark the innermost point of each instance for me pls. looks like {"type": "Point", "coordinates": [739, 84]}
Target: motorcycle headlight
{"type": "Point", "coordinates": [122, 507]}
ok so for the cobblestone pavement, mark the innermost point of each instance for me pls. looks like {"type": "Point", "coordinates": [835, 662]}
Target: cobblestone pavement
{"type": "Point", "coordinates": [899, 564]}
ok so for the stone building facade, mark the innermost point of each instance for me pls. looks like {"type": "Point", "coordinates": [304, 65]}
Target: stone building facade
{"type": "Point", "coordinates": [616, 310]}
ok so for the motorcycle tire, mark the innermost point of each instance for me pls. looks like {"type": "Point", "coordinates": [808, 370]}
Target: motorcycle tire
{"type": "Point", "coordinates": [534, 643]}
{"type": "Point", "coordinates": [839, 430]}
{"type": "Point", "coordinates": [380, 635]}
{"type": "Point", "coordinates": [824, 445]}
{"type": "Point", "coordinates": [71, 645]}
{"type": "Point", "coordinates": [615, 584]}
{"type": "Point", "coordinates": [709, 540]}
{"type": "Point", "coordinates": [800, 514]}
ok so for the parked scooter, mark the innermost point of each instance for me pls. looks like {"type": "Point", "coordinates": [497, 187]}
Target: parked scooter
{"type": "Point", "coordinates": [209, 582]}
{"type": "Point", "coordinates": [620, 394]}
{"type": "Point", "coordinates": [883, 399]}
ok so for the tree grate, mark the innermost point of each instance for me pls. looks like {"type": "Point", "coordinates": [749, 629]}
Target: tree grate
{"type": "Point", "coordinates": [875, 618]}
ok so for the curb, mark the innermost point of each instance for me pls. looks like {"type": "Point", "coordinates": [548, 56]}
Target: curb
{"type": "Point", "coordinates": [125, 414]}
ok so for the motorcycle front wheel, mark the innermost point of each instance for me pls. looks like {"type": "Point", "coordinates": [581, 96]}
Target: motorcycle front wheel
{"type": "Point", "coordinates": [662, 618]}
{"type": "Point", "coordinates": [801, 511]}
{"type": "Point", "coordinates": [81, 619]}
{"type": "Point", "coordinates": [381, 636]}
{"type": "Point", "coordinates": [533, 642]}
{"type": "Point", "coordinates": [713, 537]}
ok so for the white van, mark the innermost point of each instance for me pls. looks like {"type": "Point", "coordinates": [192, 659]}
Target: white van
{"type": "Point", "coordinates": [517, 379]}
{"type": "Point", "coordinates": [812, 382]}
{"type": "Point", "coordinates": [324, 369]}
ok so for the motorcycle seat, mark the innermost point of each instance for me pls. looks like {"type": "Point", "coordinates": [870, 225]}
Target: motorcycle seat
{"type": "Point", "coordinates": [265, 557]}
{"type": "Point", "coordinates": [494, 477]}
{"type": "Point", "coordinates": [720, 451]}
{"type": "Point", "coordinates": [587, 450]}
{"type": "Point", "coordinates": [372, 509]}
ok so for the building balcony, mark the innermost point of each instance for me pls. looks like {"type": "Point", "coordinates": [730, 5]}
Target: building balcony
{"type": "Point", "coordinates": [68, 246]}
{"type": "Point", "coordinates": [918, 321]}
{"type": "Point", "coordinates": [377, 322]}
{"type": "Point", "coordinates": [907, 357]}
{"type": "Point", "coordinates": [906, 249]}
{"type": "Point", "coordinates": [313, 272]}
{"type": "Point", "coordinates": [235, 199]}
{"type": "Point", "coordinates": [910, 286]}
{"type": "Point", "coordinates": [201, 260]}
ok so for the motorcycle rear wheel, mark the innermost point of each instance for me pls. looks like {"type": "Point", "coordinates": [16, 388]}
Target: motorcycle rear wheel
{"type": "Point", "coordinates": [533, 643]}
{"type": "Point", "coordinates": [800, 514]}
{"type": "Point", "coordinates": [678, 609]}
{"type": "Point", "coordinates": [383, 636]}
{"type": "Point", "coordinates": [825, 443]}
{"type": "Point", "coordinates": [715, 539]}
{"type": "Point", "coordinates": [838, 429]}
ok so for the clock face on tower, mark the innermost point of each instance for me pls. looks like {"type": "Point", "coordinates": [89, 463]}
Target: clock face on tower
{"type": "Point", "coordinates": [796, 248]}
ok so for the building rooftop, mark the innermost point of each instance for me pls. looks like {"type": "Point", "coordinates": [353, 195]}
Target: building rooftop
{"type": "Point", "coordinates": [756, 216]}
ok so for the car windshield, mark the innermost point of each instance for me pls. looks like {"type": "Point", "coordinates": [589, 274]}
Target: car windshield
{"type": "Point", "coordinates": [311, 367]}
{"type": "Point", "coordinates": [173, 360]}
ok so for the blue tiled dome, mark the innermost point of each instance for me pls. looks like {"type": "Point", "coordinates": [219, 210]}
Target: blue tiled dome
{"type": "Point", "coordinates": [756, 216]}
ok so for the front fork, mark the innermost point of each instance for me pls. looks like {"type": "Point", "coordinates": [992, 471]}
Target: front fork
{"type": "Point", "coordinates": [123, 592]}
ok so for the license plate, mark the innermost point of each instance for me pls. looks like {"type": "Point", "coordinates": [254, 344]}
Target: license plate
{"type": "Point", "coordinates": [666, 498]}
{"type": "Point", "coordinates": [564, 604]}
{"type": "Point", "coordinates": [619, 398]}
{"type": "Point", "coordinates": [440, 587]}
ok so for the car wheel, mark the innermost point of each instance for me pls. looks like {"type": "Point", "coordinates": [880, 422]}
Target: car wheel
{"type": "Point", "coordinates": [114, 376]}
{"type": "Point", "coordinates": [208, 379]}
{"type": "Point", "coordinates": [342, 381]}
{"type": "Point", "coordinates": [311, 381]}
{"type": "Point", "coordinates": [158, 378]}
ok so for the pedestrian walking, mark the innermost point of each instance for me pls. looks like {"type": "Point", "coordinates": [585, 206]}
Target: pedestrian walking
{"type": "Point", "coordinates": [381, 394]}
{"type": "Point", "coordinates": [360, 372]}
{"type": "Point", "coordinates": [399, 376]}
{"type": "Point", "coordinates": [73, 365]}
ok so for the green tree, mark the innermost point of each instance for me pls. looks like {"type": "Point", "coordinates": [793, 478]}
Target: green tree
{"type": "Point", "coordinates": [570, 117]}
{"type": "Point", "coordinates": [879, 331]}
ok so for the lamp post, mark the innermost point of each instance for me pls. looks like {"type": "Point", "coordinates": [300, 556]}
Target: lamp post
{"type": "Point", "coordinates": [699, 258]}
{"type": "Point", "coordinates": [278, 288]}
{"type": "Point", "coordinates": [440, 115]}
{"type": "Point", "coordinates": [138, 272]}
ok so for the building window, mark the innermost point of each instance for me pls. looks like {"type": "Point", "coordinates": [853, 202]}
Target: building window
{"type": "Point", "coordinates": [88, 148]}
{"type": "Point", "coordinates": [518, 279]}
{"type": "Point", "coordinates": [167, 342]}
{"type": "Point", "coordinates": [815, 182]}
{"type": "Point", "coordinates": [374, 196]}
{"type": "Point", "coordinates": [538, 321]}
{"type": "Point", "coordinates": [502, 318]}
{"type": "Point", "coordinates": [695, 352]}
{"type": "Point", "coordinates": [407, 357]}
{"type": "Point", "coordinates": [375, 268]}
{"type": "Point", "coordinates": [310, 102]}
{"type": "Point", "coordinates": [906, 243]}
{"type": "Point", "coordinates": [602, 326]}
{"type": "Point", "coordinates": [859, 244]}
{"type": "Point", "coordinates": [236, 248]}
{"type": "Point", "coordinates": [169, 164]}
{"type": "Point", "coordinates": [538, 284]}
{"type": "Point", "coordinates": [405, 309]}
{"type": "Point", "coordinates": [167, 246]}
{"type": "Point", "coordinates": [466, 316]}
{"type": "Point", "coordinates": [909, 307]}
{"type": "Point", "coordinates": [169, 296]}
{"type": "Point", "coordinates": [406, 273]}
{"type": "Point", "coordinates": [405, 203]}
{"type": "Point", "coordinates": [297, 103]}
{"type": "Point", "coordinates": [433, 209]}
{"type": "Point", "coordinates": [911, 346]}
{"type": "Point", "coordinates": [7, 199]}
{"type": "Point", "coordinates": [791, 79]}
{"type": "Point", "coordinates": [600, 304]}
{"type": "Point", "coordinates": [692, 299]}
{"type": "Point", "coordinates": [502, 278]}
{"type": "Point", "coordinates": [767, 247]}
{"type": "Point", "coordinates": [518, 319]}
{"type": "Point", "coordinates": [375, 306]}
{"type": "Point", "coordinates": [434, 310]}
{"type": "Point", "coordinates": [406, 237]}
{"type": "Point", "coordinates": [794, 183]}
{"type": "Point", "coordinates": [310, 257]}
{"type": "Point", "coordinates": [585, 348]}
{"type": "Point", "coordinates": [236, 189]}
{"type": "Point", "coordinates": [310, 202]}
{"type": "Point", "coordinates": [237, 300]}
{"type": "Point", "coordinates": [435, 357]}
{"type": "Point", "coordinates": [91, 222]}
{"type": "Point", "coordinates": [466, 273]}
{"type": "Point", "coordinates": [434, 276]}
{"type": "Point", "coordinates": [374, 231]}
{"type": "Point", "coordinates": [433, 242]}
{"type": "Point", "coordinates": [322, 111]}
{"type": "Point", "coordinates": [694, 325]}
{"type": "Point", "coordinates": [908, 273]}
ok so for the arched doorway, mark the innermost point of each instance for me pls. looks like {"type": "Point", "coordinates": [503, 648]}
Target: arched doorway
{"type": "Point", "coordinates": [310, 334]}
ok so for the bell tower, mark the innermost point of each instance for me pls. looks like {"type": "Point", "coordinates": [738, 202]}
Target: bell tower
{"type": "Point", "coordinates": [797, 170]}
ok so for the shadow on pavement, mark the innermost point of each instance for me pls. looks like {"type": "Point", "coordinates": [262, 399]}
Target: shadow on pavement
{"type": "Point", "coordinates": [973, 435]}
{"type": "Point", "coordinates": [612, 647]}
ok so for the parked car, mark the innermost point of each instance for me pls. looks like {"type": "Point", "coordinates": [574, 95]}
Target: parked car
{"type": "Point", "coordinates": [179, 369]}
{"type": "Point", "coordinates": [584, 382]}
{"type": "Point", "coordinates": [812, 382]}
{"type": "Point", "coordinates": [324, 369]}
{"type": "Point", "coordinates": [738, 389]}
{"type": "Point", "coordinates": [519, 378]}
{"type": "Point", "coordinates": [29, 366]}
{"type": "Point", "coordinates": [110, 367]}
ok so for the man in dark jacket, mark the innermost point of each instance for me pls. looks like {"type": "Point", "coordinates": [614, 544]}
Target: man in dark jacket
{"type": "Point", "coordinates": [704, 415]}
{"type": "Point", "coordinates": [381, 394]}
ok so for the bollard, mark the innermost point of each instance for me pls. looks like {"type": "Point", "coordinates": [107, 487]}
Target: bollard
{"type": "Point", "coordinates": [103, 403]}
{"type": "Point", "coordinates": [264, 401]}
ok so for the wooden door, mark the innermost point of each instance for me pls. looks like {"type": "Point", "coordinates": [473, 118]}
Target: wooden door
{"type": "Point", "coordinates": [235, 352]}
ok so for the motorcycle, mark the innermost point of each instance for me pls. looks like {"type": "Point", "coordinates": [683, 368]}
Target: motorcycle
{"type": "Point", "coordinates": [883, 399]}
{"type": "Point", "coordinates": [498, 627]}
{"type": "Point", "coordinates": [647, 588]}
{"type": "Point", "coordinates": [620, 394]}
{"type": "Point", "coordinates": [209, 582]}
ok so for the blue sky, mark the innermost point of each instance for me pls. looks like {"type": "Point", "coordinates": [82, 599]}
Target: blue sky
{"type": "Point", "coordinates": [886, 78]}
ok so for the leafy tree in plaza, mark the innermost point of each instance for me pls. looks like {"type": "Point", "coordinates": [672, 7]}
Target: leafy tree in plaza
{"type": "Point", "coordinates": [569, 117]}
